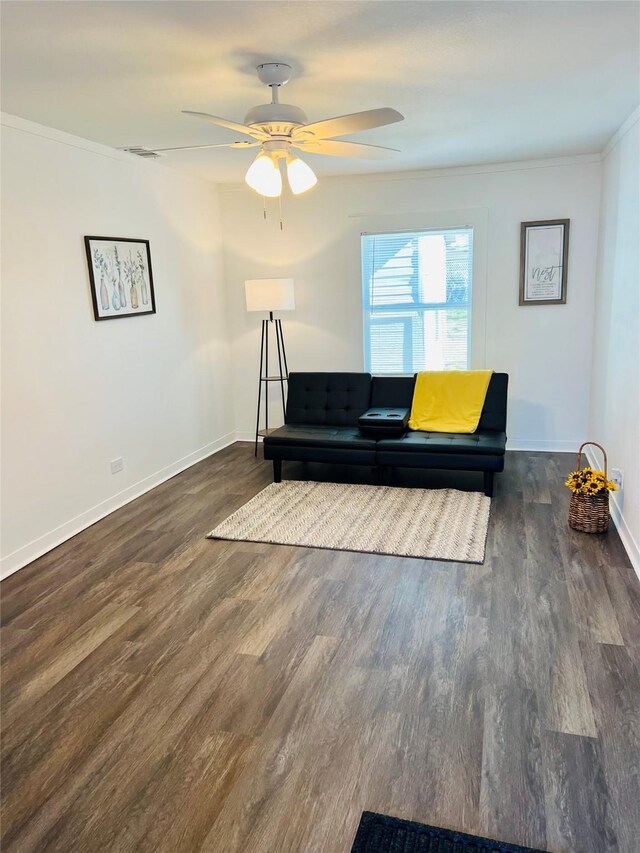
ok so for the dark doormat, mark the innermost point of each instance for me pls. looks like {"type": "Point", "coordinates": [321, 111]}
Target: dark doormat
{"type": "Point", "coordinates": [381, 834]}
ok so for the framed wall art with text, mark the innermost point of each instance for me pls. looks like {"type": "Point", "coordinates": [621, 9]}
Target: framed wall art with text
{"type": "Point", "coordinates": [544, 252]}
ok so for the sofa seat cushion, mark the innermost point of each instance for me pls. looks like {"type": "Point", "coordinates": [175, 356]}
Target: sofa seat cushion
{"type": "Point", "coordinates": [479, 442]}
{"type": "Point", "coordinates": [320, 435]}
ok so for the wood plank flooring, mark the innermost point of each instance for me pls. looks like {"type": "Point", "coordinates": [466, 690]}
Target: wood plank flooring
{"type": "Point", "coordinates": [164, 692]}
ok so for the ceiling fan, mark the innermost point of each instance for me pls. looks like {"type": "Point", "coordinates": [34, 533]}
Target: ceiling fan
{"type": "Point", "coordinates": [279, 128]}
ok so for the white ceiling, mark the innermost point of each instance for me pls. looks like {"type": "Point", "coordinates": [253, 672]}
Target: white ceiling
{"type": "Point", "coordinates": [477, 82]}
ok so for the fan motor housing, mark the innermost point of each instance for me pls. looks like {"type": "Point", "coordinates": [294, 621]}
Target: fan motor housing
{"type": "Point", "coordinates": [276, 118]}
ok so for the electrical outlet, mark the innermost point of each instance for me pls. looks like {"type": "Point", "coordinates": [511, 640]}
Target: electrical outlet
{"type": "Point", "coordinates": [117, 465]}
{"type": "Point", "coordinates": [616, 477]}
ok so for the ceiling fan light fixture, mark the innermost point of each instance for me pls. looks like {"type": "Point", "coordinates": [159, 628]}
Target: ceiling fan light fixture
{"type": "Point", "coordinates": [277, 127]}
{"type": "Point", "coordinates": [301, 176]}
{"type": "Point", "coordinates": [264, 177]}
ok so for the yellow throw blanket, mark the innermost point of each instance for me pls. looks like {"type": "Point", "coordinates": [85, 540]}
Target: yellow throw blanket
{"type": "Point", "coordinates": [449, 400]}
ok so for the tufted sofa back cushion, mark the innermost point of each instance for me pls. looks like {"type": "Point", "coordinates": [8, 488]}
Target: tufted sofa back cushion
{"type": "Point", "coordinates": [394, 392]}
{"type": "Point", "coordinates": [494, 411]}
{"type": "Point", "coordinates": [335, 399]}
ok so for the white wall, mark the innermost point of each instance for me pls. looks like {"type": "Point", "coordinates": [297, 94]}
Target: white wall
{"type": "Point", "coordinates": [615, 401]}
{"type": "Point", "coordinates": [77, 393]}
{"type": "Point", "coordinates": [546, 349]}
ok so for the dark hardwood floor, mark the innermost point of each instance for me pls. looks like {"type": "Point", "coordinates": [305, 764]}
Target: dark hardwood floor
{"type": "Point", "coordinates": [165, 692]}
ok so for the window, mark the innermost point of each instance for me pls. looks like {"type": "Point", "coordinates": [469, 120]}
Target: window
{"type": "Point", "coordinates": [416, 294]}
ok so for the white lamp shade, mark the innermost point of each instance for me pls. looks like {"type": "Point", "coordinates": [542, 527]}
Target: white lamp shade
{"type": "Point", "coordinates": [269, 294]}
{"type": "Point", "coordinates": [264, 176]}
{"type": "Point", "coordinates": [301, 177]}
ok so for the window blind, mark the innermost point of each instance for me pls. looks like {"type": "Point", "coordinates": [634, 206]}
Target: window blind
{"type": "Point", "coordinates": [416, 294]}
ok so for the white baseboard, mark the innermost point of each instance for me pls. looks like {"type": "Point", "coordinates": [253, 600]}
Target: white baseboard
{"type": "Point", "coordinates": [617, 516]}
{"type": "Point", "coordinates": [247, 436]}
{"type": "Point", "coordinates": [32, 550]}
{"type": "Point", "coordinates": [544, 446]}
{"type": "Point", "coordinates": [625, 534]}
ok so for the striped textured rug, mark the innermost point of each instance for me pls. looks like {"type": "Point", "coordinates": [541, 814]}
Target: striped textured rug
{"type": "Point", "coordinates": [437, 524]}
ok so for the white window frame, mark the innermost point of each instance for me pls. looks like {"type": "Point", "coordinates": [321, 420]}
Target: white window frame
{"type": "Point", "coordinates": [475, 218]}
{"type": "Point", "coordinates": [422, 306]}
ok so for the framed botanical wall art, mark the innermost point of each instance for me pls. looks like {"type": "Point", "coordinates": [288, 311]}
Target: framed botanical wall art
{"type": "Point", "coordinates": [544, 252]}
{"type": "Point", "coordinates": [120, 276]}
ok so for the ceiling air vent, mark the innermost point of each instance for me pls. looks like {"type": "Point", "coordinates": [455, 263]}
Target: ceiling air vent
{"type": "Point", "coordinates": [142, 152]}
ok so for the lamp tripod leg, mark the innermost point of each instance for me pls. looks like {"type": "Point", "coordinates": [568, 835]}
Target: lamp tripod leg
{"type": "Point", "coordinates": [284, 352]}
{"type": "Point", "coordinates": [282, 377]}
{"type": "Point", "coordinates": [266, 372]}
{"type": "Point", "coordinates": [262, 336]}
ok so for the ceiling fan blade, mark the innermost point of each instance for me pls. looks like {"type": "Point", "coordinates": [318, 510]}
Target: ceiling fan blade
{"type": "Point", "coordinates": [231, 125]}
{"type": "Point", "coordinates": [342, 125]}
{"type": "Point", "coordinates": [345, 149]}
{"type": "Point", "coordinates": [220, 145]}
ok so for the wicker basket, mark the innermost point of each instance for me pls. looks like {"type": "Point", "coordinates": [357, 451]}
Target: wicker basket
{"type": "Point", "coordinates": [590, 513]}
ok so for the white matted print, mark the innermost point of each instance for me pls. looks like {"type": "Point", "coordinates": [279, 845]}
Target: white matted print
{"type": "Point", "coordinates": [121, 277]}
{"type": "Point", "coordinates": [544, 248]}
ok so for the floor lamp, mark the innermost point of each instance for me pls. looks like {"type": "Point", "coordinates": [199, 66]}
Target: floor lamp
{"type": "Point", "coordinates": [269, 295]}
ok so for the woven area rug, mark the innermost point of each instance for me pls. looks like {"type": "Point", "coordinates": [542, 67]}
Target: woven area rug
{"type": "Point", "coordinates": [438, 524]}
{"type": "Point", "coordinates": [382, 834]}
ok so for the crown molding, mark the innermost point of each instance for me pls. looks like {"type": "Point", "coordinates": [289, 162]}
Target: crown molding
{"type": "Point", "coordinates": [7, 120]}
{"type": "Point", "coordinates": [621, 132]}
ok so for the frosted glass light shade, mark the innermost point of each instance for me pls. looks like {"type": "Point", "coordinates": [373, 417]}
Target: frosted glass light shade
{"type": "Point", "coordinates": [269, 294]}
{"type": "Point", "coordinates": [264, 177]}
{"type": "Point", "coordinates": [301, 176]}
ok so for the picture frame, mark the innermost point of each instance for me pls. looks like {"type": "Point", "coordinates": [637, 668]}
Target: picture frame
{"type": "Point", "coordinates": [120, 276]}
{"type": "Point", "coordinates": [544, 254]}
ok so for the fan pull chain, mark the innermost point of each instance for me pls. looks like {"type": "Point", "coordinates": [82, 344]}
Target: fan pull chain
{"type": "Point", "coordinates": [264, 210]}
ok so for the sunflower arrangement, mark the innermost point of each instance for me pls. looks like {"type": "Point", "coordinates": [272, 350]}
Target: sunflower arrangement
{"type": "Point", "coordinates": [589, 504]}
{"type": "Point", "coordinates": [588, 481]}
